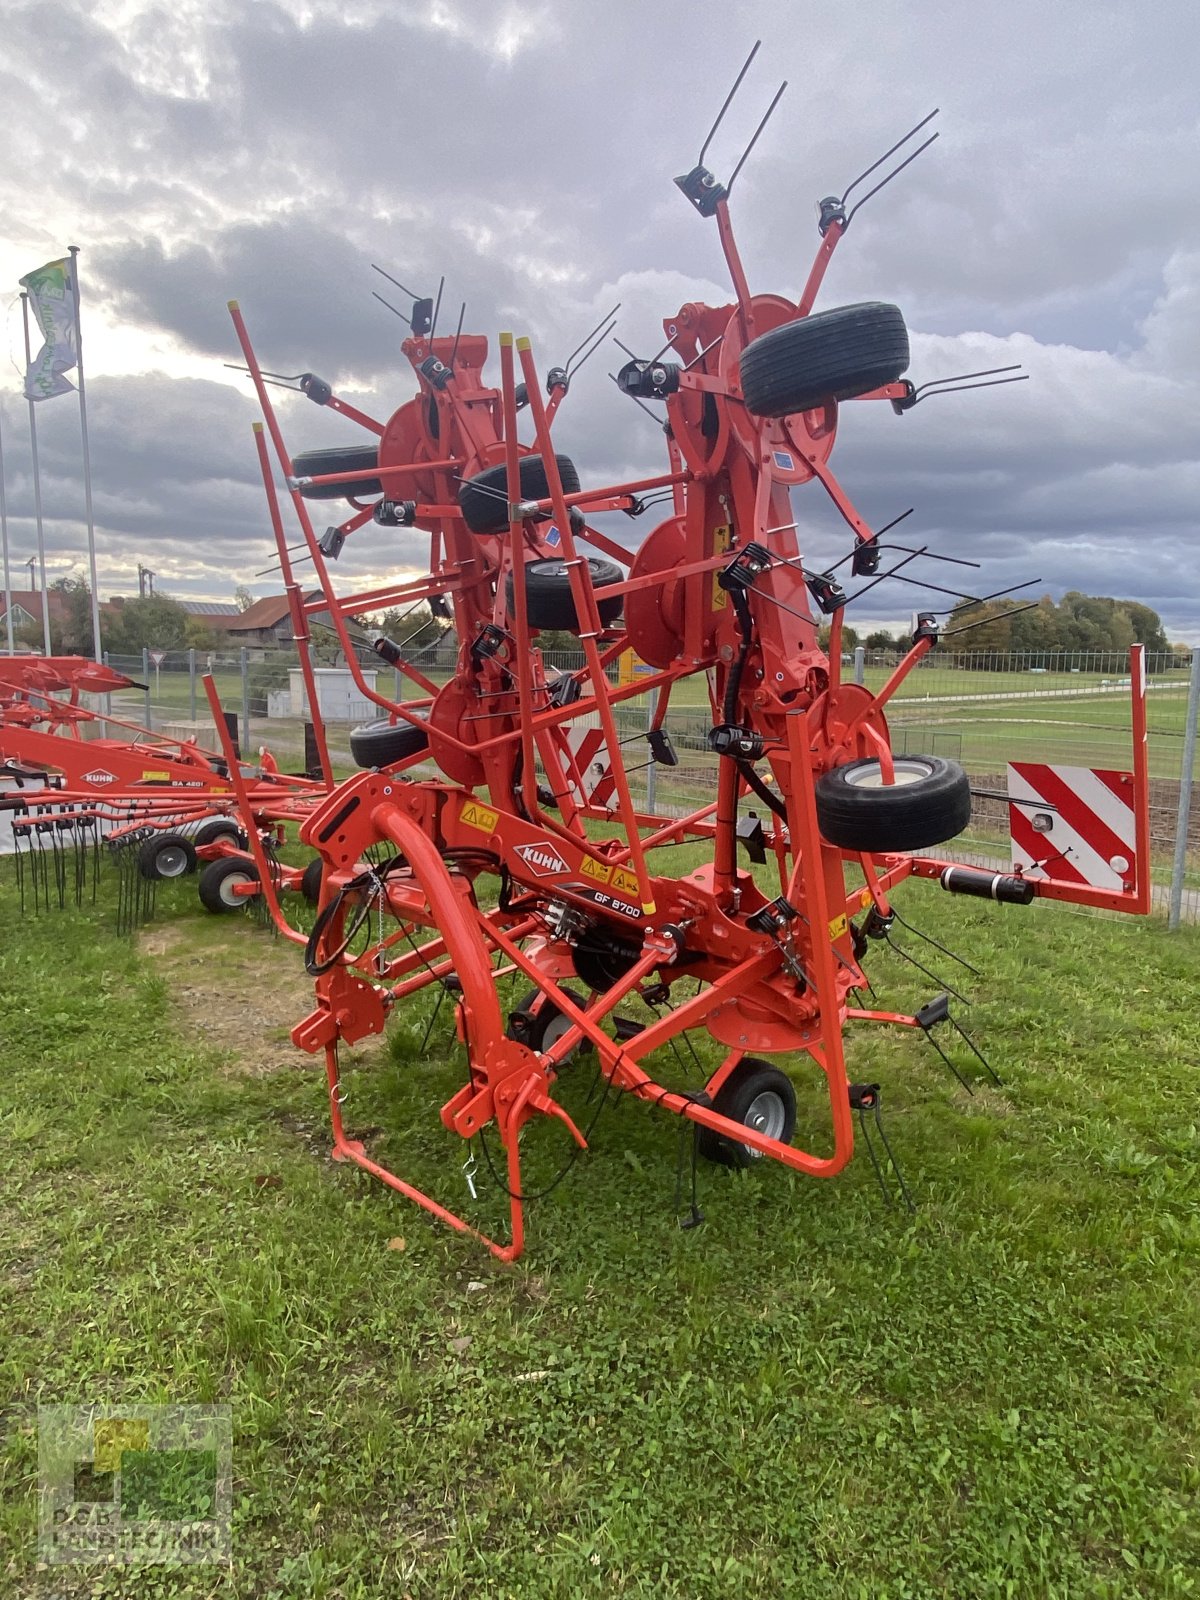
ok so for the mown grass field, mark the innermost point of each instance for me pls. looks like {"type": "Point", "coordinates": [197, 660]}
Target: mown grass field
{"type": "Point", "coordinates": [810, 1395]}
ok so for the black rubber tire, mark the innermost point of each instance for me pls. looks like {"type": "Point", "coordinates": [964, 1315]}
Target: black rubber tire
{"type": "Point", "coordinates": [833, 355]}
{"type": "Point", "coordinates": [216, 878]}
{"type": "Point", "coordinates": [483, 499]}
{"type": "Point", "coordinates": [542, 1022]}
{"type": "Point", "coordinates": [310, 883]}
{"type": "Point", "coordinates": [166, 856]}
{"type": "Point", "coordinates": [753, 1087]}
{"type": "Point", "coordinates": [549, 602]}
{"type": "Point", "coordinates": [341, 458]}
{"type": "Point", "coordinates": [214, 828]}
{"type": "Point", "coordinates": [929, 803]}
{"type": "Point", "coordinates": [380, 743]}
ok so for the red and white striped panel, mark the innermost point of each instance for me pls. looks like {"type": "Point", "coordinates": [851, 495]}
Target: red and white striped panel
{"type": "Point", "coordinates": [1076, 824]}
{"type": "Point", "coordinates": [595, 767]}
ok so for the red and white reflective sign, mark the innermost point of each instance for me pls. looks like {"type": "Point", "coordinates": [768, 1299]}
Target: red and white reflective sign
{"type": "Point", "coordinates": [1076, 824]}
{"type": "Point", "coordinates": [595, 766]}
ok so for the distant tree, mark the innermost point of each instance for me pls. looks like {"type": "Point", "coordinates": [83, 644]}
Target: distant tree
{"type": "Point", "coordinates": [879, 639]}
{"type": "Point", "coordinates": [1047, 633]}
{"type": "Point", "coordinates": [30, 635]}
{"type": "Point", "coordinates": [1147, 626]}
{"type": "Point", "coordinates": [1036, 630]}
{"type": "Point", "coordinates": [76, 615]}
{"type": "Point", "coordinates": [850, 638]}
{"type": "Point", "coordinates": [242, 598]}
{"type": "Point", "coordinates": [151, 622]}
{"type": "Point", "coordinates": [199, 637]}
{"type": "Point", "coordinates": [417, 629]}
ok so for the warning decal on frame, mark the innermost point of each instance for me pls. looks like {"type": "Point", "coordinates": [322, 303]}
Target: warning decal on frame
{"type": "Point", "coordinates": [473, 815]}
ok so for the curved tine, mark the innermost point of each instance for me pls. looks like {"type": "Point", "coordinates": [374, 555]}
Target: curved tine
{"type": "Point", "coordinates": [702, 353]}
{"type": "Point", "coordinates": [457, 334]}
{"type": "Point", "coordinates": [983, 621]}
{"type": "Point", "coordinates": [934, 555]}
{"type": "Point", "coordinates": [962, 377]}
{"type": "Point", "coordinates": [638, 401]}
{"type": "Point", "coordinates": [484, 488]}
{"type": "Point", "coordinates": [437, 306]}
{"type": "Point", "coordinates": [959, 388]}
{"type": "Point", "coordinates": [396, 281]}
{"type": "Point", "coordinates": [876, 164]}
{"type": "Point", "coordinates": [997, 594]}
{"type": "Point", "coordinates": [883, 182]}
{"type": "Point", "coordinates": [609, 317]}
{"type": "Point", "coordinates": [737, 83]}
{"type": "Point", "coordinates": [280, 381]}
{"type": "Point", "coordinates": [627, 351]}
{"type": "Point", "coordinates": [894, 523]}
{"type": "Point", "coordinates": [754, 140]}
{"type": "Point", "coordinates": [573, 371]}
{"type": "Point", "coordinates": [693, 361]}
{"type": "Point", "coordinates": [389, 305]}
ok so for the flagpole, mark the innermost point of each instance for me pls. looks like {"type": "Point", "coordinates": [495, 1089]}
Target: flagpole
{"type": "Point", "coordinates": [87, 458]}
{"type": "Point", "coordinates": [8, 601]}
{"type": "Point", "coordinates": [37, 483]}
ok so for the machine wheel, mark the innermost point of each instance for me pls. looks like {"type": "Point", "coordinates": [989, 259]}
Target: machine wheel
{"type": "Point", "coordinates": [537, 1021]}
{"type": "Point", "coordinates": [341, 458]}
{"type": "Point", "coordinates": [833, 355]}
{"type": "Point", "coordinates": [214, 828]}
{"type": "Point", "coordinates": [166, 855]}
{"type": "Point", "coordinates": [218, 880]}
{"type": "Point", "coordinates": [549, 602]}
{"type": "Point", "coordinates": [929, 802]}
{"type": "Point", "coordinates": [379, 743]}
{"type": "Point", "coordinates": [483, 499]}
{"type": "Point", "coordinates": [759, 1096]}
{"type": "Point", "coordinates": [310, 883]}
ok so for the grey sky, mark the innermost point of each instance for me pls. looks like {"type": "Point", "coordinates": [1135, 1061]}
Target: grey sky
{"type": "Point", "coordinates": [270, 153]}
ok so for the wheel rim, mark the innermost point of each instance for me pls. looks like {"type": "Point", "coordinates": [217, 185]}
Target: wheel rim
{"type": "Point", "coordinates": [767, 1115]}
{"type": "Point", "coordinates": [907, 769]}
{"type": "Point", "coordinates": [229, 887]}
{"type": "Point", "coordinates": [171, 861]}
{"type": "Point", "coordinates": [554, 1030]}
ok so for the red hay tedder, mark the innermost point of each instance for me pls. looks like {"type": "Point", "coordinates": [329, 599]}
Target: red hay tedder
{"type": "Point", "coordinates": [163, 806]}
{"type": "Point", "coordinates": [753, 392]}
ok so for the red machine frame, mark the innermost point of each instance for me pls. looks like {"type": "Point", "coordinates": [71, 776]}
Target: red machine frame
{"type": "Point", "coordinates": [776, 975]}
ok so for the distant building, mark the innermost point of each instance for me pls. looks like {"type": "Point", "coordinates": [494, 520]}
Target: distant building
{"type": "Point", "coordinates": [266, 624]}
{"type": "Point", "coordinates": [204, 609]}
{"type": "Point", "coordinates": [27, 608]}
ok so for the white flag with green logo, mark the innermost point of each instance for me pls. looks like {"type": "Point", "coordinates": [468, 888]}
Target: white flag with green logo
{"type": "Point", "coordinates": [52, 296]}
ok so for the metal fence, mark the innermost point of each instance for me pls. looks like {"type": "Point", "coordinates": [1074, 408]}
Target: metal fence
{"type": "Point", "coordinates": [983, 710]}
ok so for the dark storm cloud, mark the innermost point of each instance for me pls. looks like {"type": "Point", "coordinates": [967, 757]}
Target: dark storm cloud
{"type": "Point", "coordinates": [526, 151]}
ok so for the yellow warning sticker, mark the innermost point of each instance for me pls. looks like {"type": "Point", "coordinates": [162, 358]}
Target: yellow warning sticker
{"type": "Point", "coordinates": [156, 777]}
{"type": "Point", "coordinates": [626, 882]}
{"type": "Point", "coordinates": [590, 868]}
{"type": "Point", "coordinates": [473, 815]}
{"type": "Point", "coordinates": [838, 926]}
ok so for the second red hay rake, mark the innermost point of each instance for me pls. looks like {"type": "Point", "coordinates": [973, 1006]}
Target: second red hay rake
{"type": "Point", "coordinates": [719, 587]}
{"type": "Point", "coordinates": [85, 787]}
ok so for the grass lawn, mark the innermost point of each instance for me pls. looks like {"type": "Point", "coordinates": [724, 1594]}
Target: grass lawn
{"type": "Point", "coordinates": [810, 1395]}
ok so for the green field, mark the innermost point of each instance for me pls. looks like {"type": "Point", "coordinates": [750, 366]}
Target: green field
{"type": "Point", "coordinates": [984, 718]}
{"type": "Point", "coordinates": [810, 1395]}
